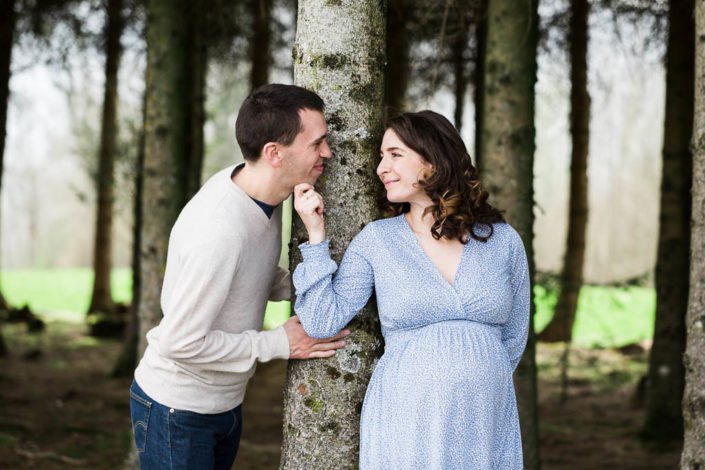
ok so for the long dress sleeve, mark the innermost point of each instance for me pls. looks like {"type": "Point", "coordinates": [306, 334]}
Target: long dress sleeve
{"type": "Point", "coordinates": [515, 331]}
{"type": "Point", "coordinates": [325, 305]}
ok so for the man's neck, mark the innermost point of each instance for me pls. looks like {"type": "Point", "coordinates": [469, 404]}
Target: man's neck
{"type": "Point", "coordinates": [261, 182]}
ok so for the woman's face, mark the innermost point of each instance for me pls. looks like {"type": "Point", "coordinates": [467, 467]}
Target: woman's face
{"type": "Point", "coordinates": [400, 170]}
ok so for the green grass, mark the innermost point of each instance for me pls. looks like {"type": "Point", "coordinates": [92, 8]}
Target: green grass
{"type": "Point", "coordinates": [64, 294]}
{"type": "Point", "coordinates": [607, 316]}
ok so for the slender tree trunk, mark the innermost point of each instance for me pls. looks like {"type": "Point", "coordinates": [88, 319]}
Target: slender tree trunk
{"type": "Point", "coordinates": [198, 65]}
{"type": "Point", "coordinates": [396, 77]}
{"type": "Point", "coordinates": [693, 457]}
{"type": "Point", "coordinates": [102, 300]}
{"type": "Point", "coordinates": [339, 53]}
{"type": "Point", "coordinates": [166, 134]}
{"type": "Point", "coordinates": [458, 48]}
{"type": "Point", "coordinates": [561, 326]}
{"type": "Point", "coordinates": [479, 77]}
{"type": "Point", "coordinates": [126, 363]}
{"type": "Point", "coordinates": [7, 30]}
{"type": "Point", "coordinates": [506, 164]}
{"type": "Point", "coordinates": [664, 391]}
{"type": "Point", "coordinates": [260, 43]}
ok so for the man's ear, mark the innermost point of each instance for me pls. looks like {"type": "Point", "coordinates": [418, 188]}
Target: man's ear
{"type": "Point", "coordinates": [270, 152]}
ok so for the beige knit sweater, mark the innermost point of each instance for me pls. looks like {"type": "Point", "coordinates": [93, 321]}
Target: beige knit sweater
{"type": "Point", "coordinates": [221, 269]}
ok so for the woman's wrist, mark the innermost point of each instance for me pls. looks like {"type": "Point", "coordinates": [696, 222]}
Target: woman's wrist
{"type": "Point", "coordinates": [316, 236]}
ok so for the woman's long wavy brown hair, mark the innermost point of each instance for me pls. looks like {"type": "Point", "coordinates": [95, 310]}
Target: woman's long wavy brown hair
{"type": "Point", "coordinates": [459, 203]}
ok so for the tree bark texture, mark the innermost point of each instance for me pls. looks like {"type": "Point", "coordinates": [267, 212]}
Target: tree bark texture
{"type": "Point", "coordinates": [127, 361]}
{"type": "Point", "coordinates": [479, 76]}
{"type": "Point", "coordinates": [339, 53]}
{"type": "Point", "coordinates": [458, 49]}
{"type": "Point", "coordinates": [7, 30]}
{"type": "Point", "coordinates": [506, 162]}
{"type": "Point", "coordinates": [166, 133]}
{"type": "Point", "coordinates": [561, 326]}
{"type": "Point", "coordinates": [196, 86]}
{"type": "Point", "coordinates": [396, 77]}
{"type": "Point", "coordinates": [664, 390]}
{"type": "Point", "coordinates": [260, 42]}
{"type": "Point", "coordinates": [693, 457]}
{"type": "Point", "coordinates": [102, 300]}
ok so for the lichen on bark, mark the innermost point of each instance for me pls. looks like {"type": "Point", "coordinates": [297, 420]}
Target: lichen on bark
{"type": "Point", "coordinates": [693, 456]}
{"type": "Point", "coordinates": [339, 54]}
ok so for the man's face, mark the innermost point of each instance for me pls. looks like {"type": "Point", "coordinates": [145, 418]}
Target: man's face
{"type": "Point", "coordinates": [303, 160]}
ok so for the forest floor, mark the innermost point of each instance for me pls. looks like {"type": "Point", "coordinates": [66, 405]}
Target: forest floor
{"type": "Point", "coordinates": [59, 410]}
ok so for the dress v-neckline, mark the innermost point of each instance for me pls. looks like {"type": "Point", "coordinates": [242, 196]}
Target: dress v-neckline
{"type": "Point", "coordinates": [425, 255]}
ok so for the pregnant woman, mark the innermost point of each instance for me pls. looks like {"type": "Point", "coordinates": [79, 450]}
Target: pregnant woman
{"type": "Point", "coordinates": [452, 288]}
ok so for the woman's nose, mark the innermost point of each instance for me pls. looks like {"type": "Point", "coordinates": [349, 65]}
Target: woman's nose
{"type": "Point", "coordinates": [381, 168]}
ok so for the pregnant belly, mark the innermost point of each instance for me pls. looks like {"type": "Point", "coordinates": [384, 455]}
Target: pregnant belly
{"type": "Point", "coordinates": [450, 354]}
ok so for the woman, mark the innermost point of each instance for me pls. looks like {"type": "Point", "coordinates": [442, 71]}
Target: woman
{"type": "Point", "coordinates": [452, 288]}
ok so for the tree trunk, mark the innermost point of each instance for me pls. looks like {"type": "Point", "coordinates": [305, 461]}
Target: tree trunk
{"type": "Point", "coordinates": [260, 43]}
{"type": "Point", "coordinates": [664, 391]}
{"type": "Point", "coordinates": [7, 30]}
{"type": "Point", "coordinates": [693, 456]}
{"type": "Point", "coordinates": [198, 65]}
{"type": "Point", "coordinates": [102, 300]}
{"type": "Point", "coordinates": [458, 48]}
{"type": "Point", "coordinates": [479, 76]}
{"type": "Point", "coordinates": [506, 162]}
{"type": "Point", "coordinates": [339, 53]}
{"type": "Point", "coordinates": [166, 134]}
{"type": "Point", "coordinates": [396, 77]}
{"type": "Point", "coordinates": [126, 363]}
{"type": "Point", "coordinates": [561, 326]}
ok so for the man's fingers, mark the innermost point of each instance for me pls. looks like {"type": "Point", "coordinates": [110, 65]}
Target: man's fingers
{"type": "Point", "coordinates": [328, 345]}
{"type": "Point", "coordinates": [319, 354]}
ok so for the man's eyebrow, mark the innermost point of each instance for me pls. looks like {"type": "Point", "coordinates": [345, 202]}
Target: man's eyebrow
{"type": "Point", "coordinates": [319, 140]}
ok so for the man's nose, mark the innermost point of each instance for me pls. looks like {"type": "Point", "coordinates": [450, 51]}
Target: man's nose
{"type": "Point", "coordinates": [325, 151]}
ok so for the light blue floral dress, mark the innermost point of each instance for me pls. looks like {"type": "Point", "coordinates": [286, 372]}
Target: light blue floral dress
{"type": "Point", "coordinates": [441, 396]}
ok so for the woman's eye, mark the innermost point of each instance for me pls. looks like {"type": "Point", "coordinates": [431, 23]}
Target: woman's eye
{"type": "Point", "coordinates": [396, 155]}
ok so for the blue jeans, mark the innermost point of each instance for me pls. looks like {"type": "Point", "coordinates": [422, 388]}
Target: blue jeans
{"type": "Point", "coordinates": [171, 439]}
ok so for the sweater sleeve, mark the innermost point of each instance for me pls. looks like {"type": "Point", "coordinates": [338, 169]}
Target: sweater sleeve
{"type": "Point", "coordinates": [325, 305]}
{"type": "Point", "coordinates": [516, 330]}
{"type": "Point", "coordinates": [186, 333]}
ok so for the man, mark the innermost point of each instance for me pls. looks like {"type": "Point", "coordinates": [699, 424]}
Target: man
{"type": "Point", "coordinates": [221, 269]}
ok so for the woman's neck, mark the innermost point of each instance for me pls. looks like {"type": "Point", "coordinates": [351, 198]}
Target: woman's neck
{"type": "Point", "coordinates": [418, 221]}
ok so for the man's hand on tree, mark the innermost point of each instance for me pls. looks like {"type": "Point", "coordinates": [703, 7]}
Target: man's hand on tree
{"type": "Point", "coordinates": [302, 346]}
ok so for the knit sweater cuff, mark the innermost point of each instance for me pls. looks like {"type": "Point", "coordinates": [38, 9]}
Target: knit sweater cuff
{"type": "Point", "coordinates": [278, 344]}
{"type": "Point", "coordinates": [315, 252]}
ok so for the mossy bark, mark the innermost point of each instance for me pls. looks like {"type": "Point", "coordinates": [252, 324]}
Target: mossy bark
{"type": "Point", "coordinates": [664, 391]}
{"type": "Point", "coordinates": [561, 326]}
{"type": "Point", "coordinates": [507, 160]}
{"type": "Point", "coordinates": [339, 53]}
{"type": "Point", "coordinates": [166, 131]}
{"type": "Point", "coordinates": [693, 456]}
{"type": "Point", "coordinates": [102, 300]}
